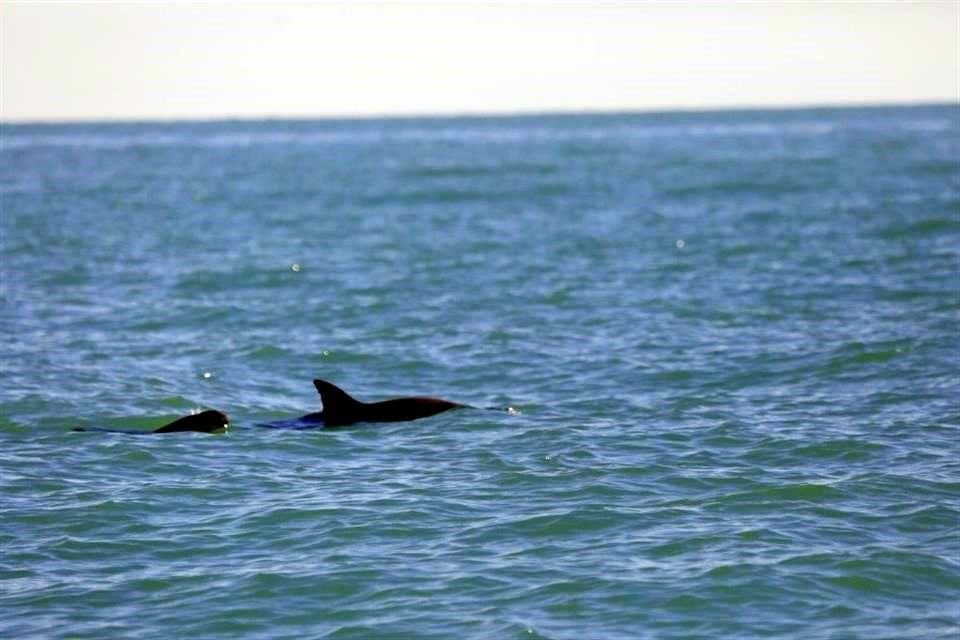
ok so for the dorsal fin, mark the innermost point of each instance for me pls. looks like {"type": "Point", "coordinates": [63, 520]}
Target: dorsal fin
{"type": "Point", "coordinates": [338, 406]}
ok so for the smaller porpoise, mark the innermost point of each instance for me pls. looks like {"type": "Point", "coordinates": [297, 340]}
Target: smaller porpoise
{"type": "Point", "coordinates": [339, 409]}
{"type": "Point", "coordinates": [204, 422]}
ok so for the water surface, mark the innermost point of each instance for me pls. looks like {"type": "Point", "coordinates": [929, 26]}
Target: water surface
{"type": "Point", "coordinates": [731, 341]}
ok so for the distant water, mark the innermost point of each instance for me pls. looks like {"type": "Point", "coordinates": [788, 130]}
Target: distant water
{"type": "Point", "coordinates": [732, 341]}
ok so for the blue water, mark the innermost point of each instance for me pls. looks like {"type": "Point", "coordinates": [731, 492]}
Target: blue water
{"type": "Point", "coordinates": [730, 342]}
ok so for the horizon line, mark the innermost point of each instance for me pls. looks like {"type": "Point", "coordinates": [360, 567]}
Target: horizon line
{"type": "Point", "coordinates": [475, 115]}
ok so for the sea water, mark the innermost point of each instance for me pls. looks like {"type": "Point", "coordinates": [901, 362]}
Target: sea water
{"type": "Point", "coordinates": [728, 342]}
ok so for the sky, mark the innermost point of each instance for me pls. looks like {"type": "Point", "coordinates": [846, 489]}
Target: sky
{"type": "Point", "coordinates": [65, 61]}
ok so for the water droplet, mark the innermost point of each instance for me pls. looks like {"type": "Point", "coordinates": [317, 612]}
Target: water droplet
{"type": "Point", "coordinates": [681, 244]}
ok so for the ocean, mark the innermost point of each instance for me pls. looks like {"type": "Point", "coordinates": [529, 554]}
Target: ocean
{"type": "Point", "coordinates": [728, 343]}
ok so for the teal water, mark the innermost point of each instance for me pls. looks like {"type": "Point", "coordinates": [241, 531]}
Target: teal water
{"type": "Point", "coordinates": [730, 341]}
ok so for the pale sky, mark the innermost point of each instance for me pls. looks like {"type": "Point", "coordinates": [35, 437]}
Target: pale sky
{"type": "Point", "coordinates": [167, 60]}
